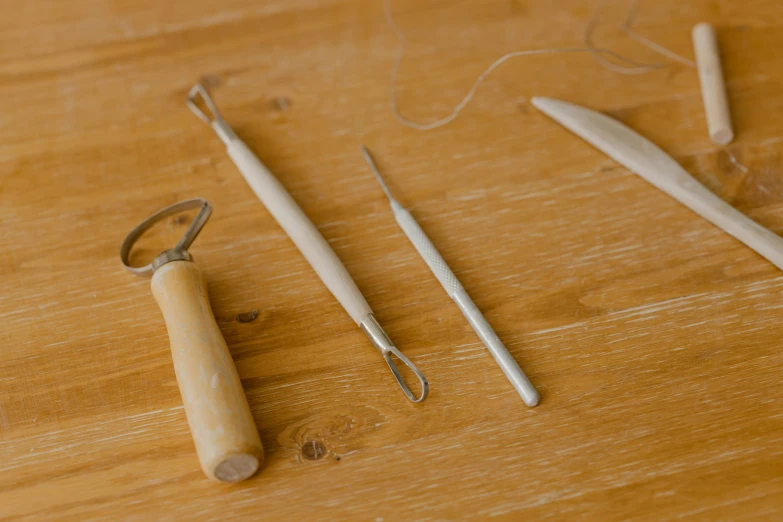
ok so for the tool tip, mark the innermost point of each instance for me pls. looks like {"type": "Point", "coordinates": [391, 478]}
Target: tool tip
{"type": "Point", "coordinates": [542, 102]}
{"type": "Point", "coordinates": [198, 94]}
{"type": "Point", "coordinates": [368, 158]}
{"type": "Point", "coordinates": [378, 177]}
{"type": "Point", "coordinates": [200, 103]}
{"type": "Point", "coordinates": [532, 399]}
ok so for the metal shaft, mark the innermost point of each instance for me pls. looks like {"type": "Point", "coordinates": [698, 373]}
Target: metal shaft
{"type": "Point", "coordinates": [454, 289]}
{"type": "Point", "coordinates": [499, 352]}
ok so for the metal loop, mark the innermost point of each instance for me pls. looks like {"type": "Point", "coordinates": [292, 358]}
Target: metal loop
{"type": "Point", "coordinates": [381, 341]}
{"type": "Point", "coordinates": [198, 91]}
{"type": "Point", "coordinates": [187, 239]}
{"type": "Point", "coordinates": [425, 385]}
{"type": "Point", "coordinates": [214, 120]}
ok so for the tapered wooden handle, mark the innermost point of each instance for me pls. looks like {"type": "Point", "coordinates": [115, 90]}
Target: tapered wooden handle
{"type": "Point", "coordinates": [300, 229]}
{"type": "Point", "coordinates": [223, 429]}
{"type": "Point", "coordinates": [643, 157]}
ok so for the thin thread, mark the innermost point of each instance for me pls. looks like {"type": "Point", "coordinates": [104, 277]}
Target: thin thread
{"type": "Point", "coordinates": [626, 27]}
{"type": "Point", "coordinates": [461, 105]}
{"type": "Point", "coordinates": [596, 52]}
{"type": "Point", "coordinates": [640, 68]}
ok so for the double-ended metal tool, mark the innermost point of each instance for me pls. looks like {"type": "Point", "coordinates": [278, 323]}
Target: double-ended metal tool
{"type": "Point", "coordinates": [449, 282]}
{"type": "Point", "coordinates": [306, 237]}
{"type": "Point", "coordinates": [227, 442]}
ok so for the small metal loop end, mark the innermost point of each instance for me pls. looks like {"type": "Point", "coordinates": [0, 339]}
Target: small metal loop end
{"type": "Point", "coordinates": [214, 119]}
{"type": "Point", "coordinates": [196, 92]}
{"type": "Point", "coordinates": [179, 252]}
{"type": "Point", "coordinates": [384, 345]}
{"type": "Point", "coordinates": [425, 385]}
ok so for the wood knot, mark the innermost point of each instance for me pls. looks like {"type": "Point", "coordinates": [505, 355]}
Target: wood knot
{"type": "Point", "coordinates": [331, 436]}
{"type": "Point", "coordinates": [314, 450]}
{"type": "Point", "coordinates": [247, 317]}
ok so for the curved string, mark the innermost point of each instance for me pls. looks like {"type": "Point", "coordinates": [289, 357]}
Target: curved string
{"type": "Point", "coordinates": [631, 67]}
{"type": "Point", "coordinates": [626, 28]}
{"type": "Point", "coordinates": [641, 68]}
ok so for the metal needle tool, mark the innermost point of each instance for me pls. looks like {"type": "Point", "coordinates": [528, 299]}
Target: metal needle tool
{"type": "Point", "coordinates": [307, 238]}
{"type": "Point", "coordinates": [449, 281]}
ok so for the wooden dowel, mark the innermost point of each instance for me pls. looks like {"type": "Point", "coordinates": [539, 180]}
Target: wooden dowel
{"type": "Point", "coordinates": [713, 87]}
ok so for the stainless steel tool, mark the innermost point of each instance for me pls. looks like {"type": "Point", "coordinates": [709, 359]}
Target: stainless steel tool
{"type": "Point", "coordinates": [454, 289]}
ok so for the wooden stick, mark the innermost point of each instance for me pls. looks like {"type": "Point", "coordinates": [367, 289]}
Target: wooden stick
{"type": "Point", "coordinates": [227, 442]}
{"type": "Point", "coordinates": [713, 87]}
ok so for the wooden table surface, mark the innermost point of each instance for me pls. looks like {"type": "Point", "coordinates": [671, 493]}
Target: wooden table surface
{"type": "Point", "coordinates": [653, 337]}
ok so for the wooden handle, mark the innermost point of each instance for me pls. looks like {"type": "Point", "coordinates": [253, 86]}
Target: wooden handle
{"type": "Point", "coordinates": [713, 88]}
{"type": "Point", "coordinates": [301, 230]}
{"type": "Point", "coordinates": [223, 429]}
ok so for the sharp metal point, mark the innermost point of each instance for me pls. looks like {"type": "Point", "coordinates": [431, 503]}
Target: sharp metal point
{"type": "Point", "coordinates": [374, 168]}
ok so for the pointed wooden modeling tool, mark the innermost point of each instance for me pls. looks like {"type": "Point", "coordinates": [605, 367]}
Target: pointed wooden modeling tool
{"type": "Point", "coordinates": [643, 157]}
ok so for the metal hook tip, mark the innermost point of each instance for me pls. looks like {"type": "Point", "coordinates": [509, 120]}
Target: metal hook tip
{"type": "Point", "coordinates": [368, 158]}
{"type": "Point", "coordinates": [195, 92]}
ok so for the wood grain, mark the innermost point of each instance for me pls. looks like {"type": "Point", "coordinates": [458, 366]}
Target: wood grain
{"type": "Point", "coordinates": [652, 336]}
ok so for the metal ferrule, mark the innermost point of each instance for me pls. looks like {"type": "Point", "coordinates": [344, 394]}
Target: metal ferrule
{"type": "Point", "coordinates": [375, 333]}
{"type": "Point", "coordinates": [171, 255]}
{"type": "Point", "coordinates": [223, 130]}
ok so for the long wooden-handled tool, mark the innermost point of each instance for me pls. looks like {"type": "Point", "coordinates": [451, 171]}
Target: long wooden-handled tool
{"type": "Point", "coordinates": [225, 434]}
{"type": "Point", "coordinates": [306, 237]}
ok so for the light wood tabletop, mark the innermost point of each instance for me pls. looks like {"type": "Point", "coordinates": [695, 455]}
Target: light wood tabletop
{"type": "Point", "coordinates": [653, 337]}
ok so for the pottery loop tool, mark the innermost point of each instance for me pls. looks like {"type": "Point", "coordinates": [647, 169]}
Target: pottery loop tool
{"type": "Point", "coordinates": [454, 289]}
{"type": "Point", "coordinates": [640, 155]}
{"type": "Point", "coordinates": [224, 432]}
{"type": "Point", "coordinates": [306, 237]}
